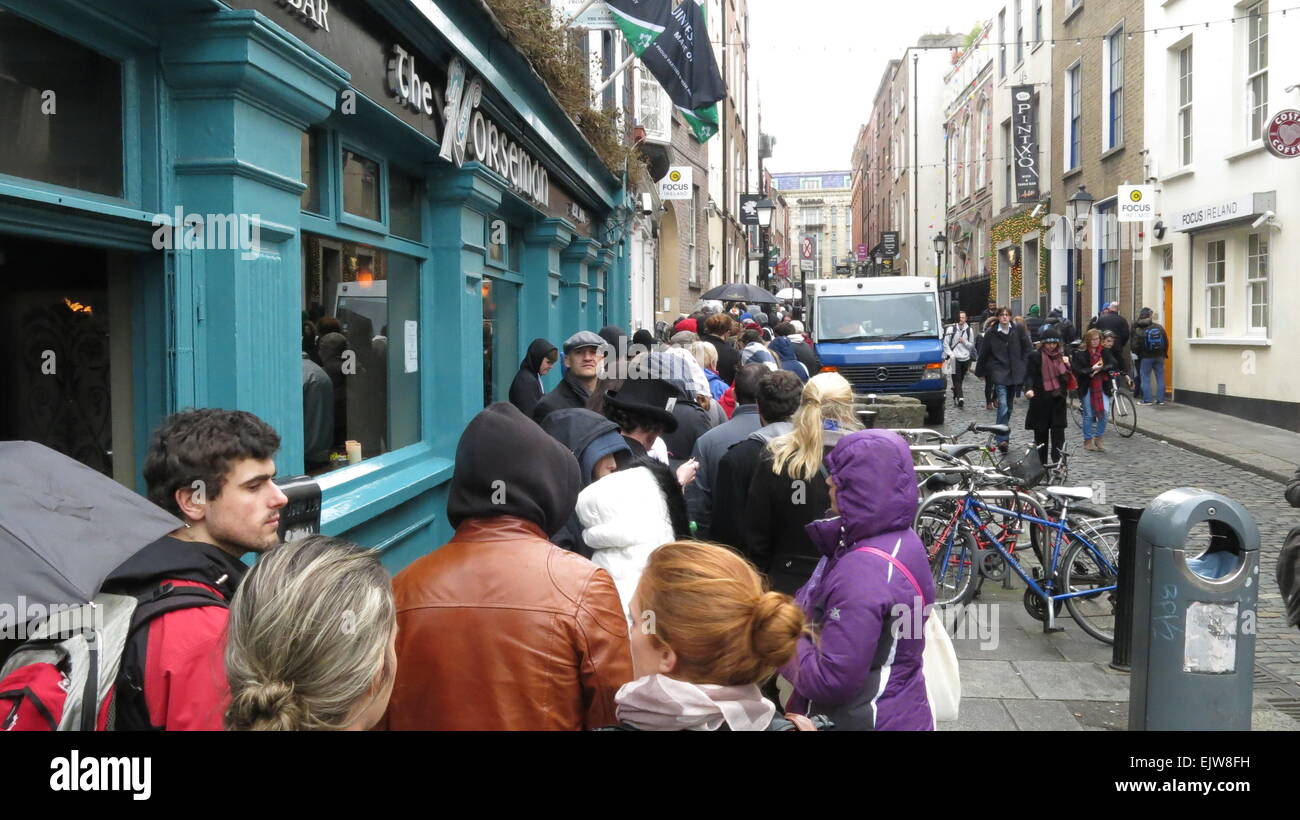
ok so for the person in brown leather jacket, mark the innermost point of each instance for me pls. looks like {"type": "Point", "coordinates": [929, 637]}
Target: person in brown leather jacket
{"type": "Point", "coordinates": [499, 628]}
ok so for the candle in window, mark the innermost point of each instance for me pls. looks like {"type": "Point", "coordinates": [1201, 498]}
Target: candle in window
{"type": "Point", "coordinates": [354, 451]}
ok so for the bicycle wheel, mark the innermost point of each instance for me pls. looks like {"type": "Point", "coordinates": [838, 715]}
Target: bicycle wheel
{"type": "Point", "coordinates": [1081, 570]}
{"type": "Point", "coordinates": [1123, 413]}
{"type": "Point", "coordinates": [951, 549]}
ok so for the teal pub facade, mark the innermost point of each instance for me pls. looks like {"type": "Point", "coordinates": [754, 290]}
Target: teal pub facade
{"type": "Point", "coordinates": [205, 203]}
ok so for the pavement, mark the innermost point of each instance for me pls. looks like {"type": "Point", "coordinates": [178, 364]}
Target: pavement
{"type": "Point", "coordinates": [1017, 678]}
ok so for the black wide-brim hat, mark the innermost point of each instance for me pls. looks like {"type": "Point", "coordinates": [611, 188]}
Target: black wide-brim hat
{"type": "Point", "coordinates": [647, 397]}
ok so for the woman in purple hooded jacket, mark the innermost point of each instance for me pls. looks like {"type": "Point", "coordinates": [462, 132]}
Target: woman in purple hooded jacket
{"type": "Point", "coordinates": [862, 667]}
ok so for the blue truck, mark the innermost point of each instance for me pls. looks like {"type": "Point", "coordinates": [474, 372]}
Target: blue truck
{"type": "Point", "coordinates": [883, 334]}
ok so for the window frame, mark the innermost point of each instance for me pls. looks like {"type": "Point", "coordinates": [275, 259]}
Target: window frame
{"type": "Point", "coordinates": [1002, 44]}
{"type": "Point", "coordinates": [346, 217]}
{"type": "Point", "coordinates": [1074, 116]}
{"type": "Point", "coordinates": [1112, 134]}
{"type": "Point", "coordinates": [1019, 28]}
{"type": "Point", "coordinates": [1107, 265]}
{"type": "Point", "coordinates": [1217, 287]}
{"type": "Point", "coordinates": [1255, 262]}
{"type": "Point", "coordinates": [1256, 36]}
{"type": "Point", "coordinates": [1184, 118]}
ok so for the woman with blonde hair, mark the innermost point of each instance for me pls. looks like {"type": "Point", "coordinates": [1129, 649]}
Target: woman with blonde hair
{"type": "Point", "coordinates": [707, 355]}
{"type": "Point", "coordinates": [787, 491]}
{"type": "Point", "coordinates": [311, 640]}
{"type": "Point", "coordinates": [706, 634]}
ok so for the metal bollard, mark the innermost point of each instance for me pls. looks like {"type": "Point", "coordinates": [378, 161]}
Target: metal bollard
{"type": "Point", "coordinates": [1121, 657]}
{"type": "Point", "coordinates": [1193, 637]}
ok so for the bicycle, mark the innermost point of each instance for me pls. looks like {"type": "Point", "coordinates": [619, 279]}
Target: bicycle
{"type": "Point", "coordinates": [1123, 410]}
{"type": "Point", "coordinates": [1081, 562]}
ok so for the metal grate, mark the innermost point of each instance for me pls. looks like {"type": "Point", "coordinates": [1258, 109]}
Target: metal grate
{"type": "Point", "coordinates": [893, 375]}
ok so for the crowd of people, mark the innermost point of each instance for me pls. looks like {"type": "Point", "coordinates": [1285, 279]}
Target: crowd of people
{"type": "Point", "coordinates": [1046, 360]}
{"type": "Point", "coordinates": [675, 537]}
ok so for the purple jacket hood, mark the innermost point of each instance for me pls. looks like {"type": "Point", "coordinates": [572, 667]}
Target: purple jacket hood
{"type": "Point", "coordinates": [875, 487]}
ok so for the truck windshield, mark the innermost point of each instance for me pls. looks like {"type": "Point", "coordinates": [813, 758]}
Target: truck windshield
{"type": "Point", "coordinates": [877, 317]}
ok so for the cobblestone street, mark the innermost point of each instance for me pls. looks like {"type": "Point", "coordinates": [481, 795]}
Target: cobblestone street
{"type": "Point", "coordinates": [1136, 470]}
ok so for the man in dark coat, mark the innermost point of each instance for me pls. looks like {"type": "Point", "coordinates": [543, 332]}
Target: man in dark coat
{"type": "Point", "coordinates": [582, 358]}
{"type": "Point", "coordinates": [1112, 321]}
{"type": "Point", "coordinates": [1151, 346]}
{"type": "Point", "coordinates": [595, 441]}
{"type": "Point", "coordinates": [713, 445]}
{"type": "Point", "coordinates": [778, 397]}
{"type": "Point", "coordinates": [803, 351]}
{"type": "Point", "coordinates": [526, 390]}
{"type": "Point", "coordinates": [1002, 361]}
{"type": "Point", "coordinates": [715, 331]}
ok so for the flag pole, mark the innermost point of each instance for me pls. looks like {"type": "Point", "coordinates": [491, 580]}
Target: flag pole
{"type": "Point", "coordinates": [579, 13]}
{"type": "Point", "coordinates": [624, 67]}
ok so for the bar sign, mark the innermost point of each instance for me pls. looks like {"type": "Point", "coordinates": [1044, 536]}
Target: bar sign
{"type": "Point", "coordinates": [1024, 138]}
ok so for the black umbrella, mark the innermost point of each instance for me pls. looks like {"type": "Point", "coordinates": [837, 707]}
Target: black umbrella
{"type": "Point", "coordinates": [741, 292]}
{"type": "Point", "coordinates": [64, 527]}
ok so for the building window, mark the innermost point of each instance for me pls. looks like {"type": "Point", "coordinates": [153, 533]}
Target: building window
{"type": "Point", "coordinates": [1002, 44]}
{"type": "Point", "coordinates": [810, 183]}
{"type": "Point", "coordinates": [1215, 271]}
{"type": "Point", "coordinates": [360, 186]}
{"type": "Point", "coordinates": [1008, 166]}
{"type": "Point", "coordinates": [311, 176]}
{"type": "Point", "coordinates": [1185, 106]}
{"type": "Point", "coordinates": [1257, 294]}
{"type": "Point", "coordinates": [1038, 22]}
{"type": "Point", "coordinates": [811, 216]}
{"type": "Point", "coordinates": [1108, 253]}
{"type": "Point", "coordinates": [1020, 34]}
{"type": "Point", "coordinates": [983, 157]}
{"type": "Point", "coordinates": [358, 303]}
{"type": "Point", "coordinates": [1257, 69]}
{"type": "Point", "coordinates": [690, 232]}
{"type": "Point", "coordinates": [404, 196]}
{"type": "Point", "coordinates": [1074, 87]}
{"type": "Point", "coordinates": [500, 337]}
{"type": "Point", "coordinates": [1167, 258]}
{"type": "Point", "coordinates": [61, 109]}
{"type": "Point", "coordinates": [1114, 134]}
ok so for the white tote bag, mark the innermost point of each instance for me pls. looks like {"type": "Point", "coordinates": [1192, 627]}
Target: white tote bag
{"type": "Point", "coordinates": [938, 659]}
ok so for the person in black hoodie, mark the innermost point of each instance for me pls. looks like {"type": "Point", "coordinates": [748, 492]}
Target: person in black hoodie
{"type": "Point", "coordinates": [212, 469]}
{"type": "Point", "coordinates": [600, 449]}
{"type": "Point", "coordinates": [526, 390]}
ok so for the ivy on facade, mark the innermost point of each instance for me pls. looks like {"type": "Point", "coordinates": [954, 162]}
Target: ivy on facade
{"type": "Point", "coordinates": [1014, 229]}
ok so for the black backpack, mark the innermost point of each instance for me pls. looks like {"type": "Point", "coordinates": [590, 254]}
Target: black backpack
{"type": "Point", "coordinates": [1154, 339]}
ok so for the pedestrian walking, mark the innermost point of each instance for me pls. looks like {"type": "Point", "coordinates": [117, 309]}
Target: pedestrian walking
{"type": "Point", "coordinates": [1151, 345]}
{"type": "Point", "coordinates": [778, 398]}
{"type": "Point", "coordinates": [627, 516]}
{"type": "Point", "coordinates": [499, 628]}
{"type": "Point", "coordinates": [600, 449]}
{"type": "Point", "coordinates": [1002, 362]}
{"type": "Point", "coordinates": [861, 663]}
{"type": "Point", "coordinates": [713, 445]}
{"type": "Point", "coordinates": [1048, 382]}
{"type": "Point", "coordinates": [1034, 322]}
{"type": "Point", "coordinates": [526, 390]}
{"type": "Point", "coordinates": [1110, 319]}
{"type": "Point", "coordinates": [287, 667]}
{"type": "Point", "coordinates": [786, 492]}
{"type": "Point", "coordinates": [582, 360]}
{"type": "Point", "coordinates": [716, 636]}
{"type": "Point", "coordinates": [958, 347]}
{"type": "Point", "coordinates": [1092, 368]}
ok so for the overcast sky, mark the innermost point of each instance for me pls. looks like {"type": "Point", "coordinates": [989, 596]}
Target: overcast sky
{"type": "Point", "coordinates": [818, 63]}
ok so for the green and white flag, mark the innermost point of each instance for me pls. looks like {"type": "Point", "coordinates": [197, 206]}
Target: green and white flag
{"type": "Point", "coordinates": [703, 121]}
{"type": "Point", "coordinates": [641, 21]}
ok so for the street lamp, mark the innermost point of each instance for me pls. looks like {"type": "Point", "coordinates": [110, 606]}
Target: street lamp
{"type": "Point", "coordinates": [940, 245]}
{"type": "Point", "coordinates": [1079, 208]}
{"type": "Point", "coordinates": [765, 208]}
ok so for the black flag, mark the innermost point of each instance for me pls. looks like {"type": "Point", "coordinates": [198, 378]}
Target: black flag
{"type": "Point", "coordinates": [681, 59]}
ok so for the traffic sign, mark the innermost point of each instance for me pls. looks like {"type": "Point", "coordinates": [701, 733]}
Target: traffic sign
{"type": "Point", "coordinates": [807, 266]}
{"type": "Point", "coordinates": [808, 247]}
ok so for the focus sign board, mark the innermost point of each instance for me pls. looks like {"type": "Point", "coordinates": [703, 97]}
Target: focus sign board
{"type": "Point", "coordinates": [677, 184]}
{"type": "Point", "coordinates": [1137, 203]}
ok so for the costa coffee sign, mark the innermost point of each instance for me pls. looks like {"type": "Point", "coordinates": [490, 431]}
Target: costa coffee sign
{"type": "Point", "coordinates": [1283, 135]}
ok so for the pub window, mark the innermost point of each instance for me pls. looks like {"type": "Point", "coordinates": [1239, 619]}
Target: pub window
{"type": "Point", "coordinates": [61, 109]}
{"type": "Point", "coordinates": [311, 176]}
{"type": "Point", "coordinates": [1257, 295]}
{"type": "Point", "coordinates": [360, 354]}
{"type": "Point", "coordinates": [501, 352]}
{"type": "Point", "coordinates": [65, 324]}
{"type": "Point", "coordinates": [1215, 275]}
{"type": "Point", "coordinates": [404, 196]}
{"type": "Point", "coordinates": [360, 186]}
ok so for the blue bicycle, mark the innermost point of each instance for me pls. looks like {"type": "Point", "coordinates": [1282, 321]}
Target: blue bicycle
{"type": "Point", "coordinates": [1078, 565]}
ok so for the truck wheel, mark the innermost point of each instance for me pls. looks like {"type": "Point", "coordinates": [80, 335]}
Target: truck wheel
{"type": "Point", "coordinates": [934, 413]}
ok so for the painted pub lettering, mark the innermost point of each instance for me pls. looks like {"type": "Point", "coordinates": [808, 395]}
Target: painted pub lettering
{"type": "Point", "coordinates": [314, 13]}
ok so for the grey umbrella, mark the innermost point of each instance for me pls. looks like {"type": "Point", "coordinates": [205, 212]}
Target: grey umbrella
{"type": "Point", "coordinates": [64, 527]}
{"type": "Point", "coordinates": [740, 292]}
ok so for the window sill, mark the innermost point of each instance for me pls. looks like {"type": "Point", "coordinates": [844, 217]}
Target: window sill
{"type": "Point", "coordinates": [1036, 46]}
{"type": "Point", "coordinates": [1069, 15]}
{"type": "Point", "coordinates": [1254, 148]}
{"type": "Point", "coordinates": [1185, 171]}
{"type": "Point", "coordinates": [1233, 341]}
{"type": "Point", "coordinates": [1110, 152]}
{"type": "Point", "coordinates": [353, 495]}
{"type": "Point", "coordinates": [1078, 169]}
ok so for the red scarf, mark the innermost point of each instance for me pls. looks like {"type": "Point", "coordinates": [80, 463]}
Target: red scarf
{"type": "Point", "coordinates": [1055, 371]}
{"type": "Point", "coordinates": [1095, 394]}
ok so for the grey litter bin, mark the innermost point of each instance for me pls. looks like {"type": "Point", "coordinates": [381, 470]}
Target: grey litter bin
{"type": "Point", "coordinates": [1194, 636]}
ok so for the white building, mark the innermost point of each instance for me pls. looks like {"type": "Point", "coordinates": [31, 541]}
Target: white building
{"type": "Point", "coordinates": [1220, 272]}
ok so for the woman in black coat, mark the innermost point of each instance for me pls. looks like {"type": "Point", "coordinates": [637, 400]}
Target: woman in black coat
{"type": "Point", "coordinates": [1047, 385]}
{"type": "Point", "coordinates": [526, 390]}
